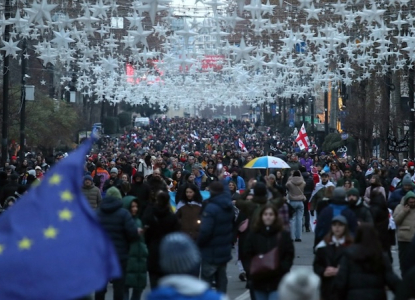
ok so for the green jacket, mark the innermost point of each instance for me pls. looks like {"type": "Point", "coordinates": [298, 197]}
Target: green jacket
{"type": "Point", "coordinates": [341, 181]}
{"type": "Point", "coordinates": [136, 275]}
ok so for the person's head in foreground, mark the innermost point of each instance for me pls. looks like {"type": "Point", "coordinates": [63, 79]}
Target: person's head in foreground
{"type": "Point", "coordinates": [299, 284]}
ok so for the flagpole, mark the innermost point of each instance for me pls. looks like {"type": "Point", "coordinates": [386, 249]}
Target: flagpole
{"type": "Point", "coordinates": [6, 80]}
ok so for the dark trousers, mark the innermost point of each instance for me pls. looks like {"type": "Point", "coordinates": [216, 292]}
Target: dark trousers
{"type": "Point", "coordinates": [217, 273]}
{"type": "Point", "coordinates": [154, 279]}
{"type": "Point", "coordinates": [306, 215]}
{"type": "Point", "coordinates": [117, 285]}
{"type": "Point", "coordinates": [403, 248]}
{"type": "Point", "coordinates": [136, 294]}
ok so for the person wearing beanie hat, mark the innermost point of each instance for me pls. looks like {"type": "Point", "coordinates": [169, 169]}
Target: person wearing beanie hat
{"type": "Point", "coordinates": [113, 181]}
{"type": "Point", "coordinates": [359, 207]}
{"type": "Point", "coordinates": [328, 254]}
{"type": "Point", "coordinates": [91, 192]}
{"type": "Point", "coordinates": [113, 192]}
{"type": "Point", "coordinates": [299, 284]}
{"type": "Point", "coordinates": [122, 230]}
{"type": "Point", "coordinates": [178, 265]}
{"type": "Point", "coordinates": [239, 181]}
{"type": "Point", "coordinates": [337, 206]}
{"type": "Point", "coordinates": [404, 216]}
{"type": "Point", "coordinates": [396, 197]}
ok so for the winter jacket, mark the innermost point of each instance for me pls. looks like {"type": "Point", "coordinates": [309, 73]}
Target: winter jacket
{"type": "Point", "coordinates": [264, 241]}
{"type": "Point", "coordinates": [405, 221]}
{"type": "Point", "coordinates": [355, 183]}
{"type": "Point", "coordinates": [136, 274]}
{"type": "Point", "coordinates": [215, 234]}
{"type": "Point", "coordinates": [295, 187]}
{"type": "Point", "coordinates": [380, 215]}
{"type": "Point", "coordinates": [184, 287]}
{"type": "Point", "coordinates": [307, 163]}
{"type": "Point", "coordinates": [355, 280]}
{"type": "Point", "coordinates": [406, 290]}
{"type": "Point", "coordinates": [240, 183]}
{"type": "Point", "coordinates": [104, 176]}
{"type": "Point", "coordinates": [119, 225]}
{"type": "Point", "coordinates": [327, 255]}
{"type": "Point", "coordinates": [309, 185]}
{"type": "Point", "coordinates": [158, 222]}
{"type": "Point", "coordinates": [93, 195]}
{"type": "Point", "coordinates": [361, 211]}
{"type": "Point", "coordinates": [110, 182]}
{"type": "Point", "coordinates": [369, 189]}
{"type": "Point", "coordinates": [189, 218]}
{"type": "Point", "coordinates": [327, 214]}
{"type": "Point", "coordinates": [201, 180]}
{"type": "Point", "coordinates": [395, 198]}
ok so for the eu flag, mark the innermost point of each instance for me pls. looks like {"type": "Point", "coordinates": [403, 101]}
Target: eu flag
{"type": "Point", "coordinates": [51, 243]}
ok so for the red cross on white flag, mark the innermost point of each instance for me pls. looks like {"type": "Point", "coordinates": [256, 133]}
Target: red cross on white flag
{"type": "Point", "coordinates": [302, 139]}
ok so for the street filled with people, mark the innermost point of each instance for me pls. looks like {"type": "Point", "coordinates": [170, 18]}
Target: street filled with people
{"type": "Point", "coordinates": [177, 202]}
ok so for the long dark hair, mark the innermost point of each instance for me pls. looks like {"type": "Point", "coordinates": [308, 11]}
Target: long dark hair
{"type": "Point", "coordinates": [258, 224]}
{"type": "Point", "coordinates": [369, 250]}
{"type": "Point", "coordinates": [348, 239]}
{"type": "Point", "coordinates": [197, 197]}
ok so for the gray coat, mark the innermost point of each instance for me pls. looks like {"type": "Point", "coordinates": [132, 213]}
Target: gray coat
{"type": "Point", "coordinates": [93, 195]}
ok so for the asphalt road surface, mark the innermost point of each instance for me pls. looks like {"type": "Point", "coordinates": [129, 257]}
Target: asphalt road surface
{"type": "Point", "coordinates": [303, 258]}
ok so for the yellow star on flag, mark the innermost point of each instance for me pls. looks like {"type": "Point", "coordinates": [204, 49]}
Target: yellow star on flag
{"type": "Point", "coordinates": [1, 248]}
{"type": "Point", "coordinates": [66, 196]}
{"type": "Point", "coordinates": [65, 215]}
{"type": "Point", "coordinates": [50, 232]}
{"type": "Point", "coordinates": [55, 179]}
{"type": "Point", "coordinates": [25, 244]}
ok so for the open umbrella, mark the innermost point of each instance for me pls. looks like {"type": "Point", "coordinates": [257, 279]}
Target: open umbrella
{"type": "Point", "coordinates": [267, 162]}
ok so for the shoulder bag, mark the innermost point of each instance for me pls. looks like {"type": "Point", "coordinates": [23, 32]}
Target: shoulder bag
{"type": "Point", "coordinates": [264, 265]}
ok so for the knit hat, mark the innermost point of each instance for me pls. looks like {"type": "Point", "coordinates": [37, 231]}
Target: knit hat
{"type": "Point", "coordinates": [260, 190]}
{"type": "Point", "coordinates": [299, 284]}
{"type": "Point", "coordinates": [339, 218]}
{"type": "Point", "coordinates": [184, 259]}
{"type": "Point", "coordinates": [32, 172]}
{"type": "Point", "coordinates": [339, 194]}
{"type": "Point", "coordinates": [113, 192]}
{"type": "Point", "coordinates": [353, 192]}
{"type": "Point", "coordinates": [406, 180]}
{"type": "Point", "coordinates": [408, 195]}
{"type": "Point", "coordinates": [88, 177]}
{"type": "Point", "coordinates": [114, 170]}
{"type": "Point", "coordinates": [411, 164]}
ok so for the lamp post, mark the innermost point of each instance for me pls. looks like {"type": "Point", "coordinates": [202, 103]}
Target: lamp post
{"type": "Point", "coordinates": [23, 100]}
{"type": "Point", "coordinates": [326, 113]}
{"type": "Point", "coordinates": [6, 80]}
{"type": "Point", "coordinates": [311, 100]}
{"type": "Point", "coordinates": [411, 78]}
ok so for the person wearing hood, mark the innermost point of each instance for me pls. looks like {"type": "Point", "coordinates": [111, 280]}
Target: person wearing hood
{"type": "Point", "coordinates": [396, 197]}
{"type": "Point", "coordinates": [121, 229]}
{"type": "Point", "coordinates": [328, 254]}
{"type": "Point", "coordinates": [337, 206]}
{"type": "Point", "coordinates": [359, 207]}
{"type": "Point", "coordinates": [216, 235]}
{"type": "Point", "coordinates": [239, 181]}
{"type": "Point", "coordinates": [404, 216]}
{"type": "Point", "coordinates": [136, 272]}
{"type": "Point", "coordinates": [91, 192]}
{"type": "Point", "coordinates": [141, 191]}
{"type": "Point", "coordinates": [179, 265]}
{"type": "Point", "coordinates": [295, 188]}
{"type": "Point", "coordinates": [159, 221]}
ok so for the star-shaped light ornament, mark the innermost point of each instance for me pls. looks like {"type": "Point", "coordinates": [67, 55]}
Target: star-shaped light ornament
{"type": "Point", "coordinates": [10, 47]}
{"type": "Point", "coordinates": [62, 39]}
{"type": "Point", "coordinates": [99, 10]}
{"type": "Point", "coordinates": [39, 11]}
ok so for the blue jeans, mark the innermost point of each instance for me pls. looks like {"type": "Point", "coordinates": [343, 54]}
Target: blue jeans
{"type": "Point", "coordinates": [217, 273]}
{"type": "Point", "coordinates": [297, 219]}
{"type": "Point", "coordinates": [260, 295]}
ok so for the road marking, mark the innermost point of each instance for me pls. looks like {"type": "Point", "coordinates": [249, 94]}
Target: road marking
{"type": "Point", "coordinates": [243, 296]}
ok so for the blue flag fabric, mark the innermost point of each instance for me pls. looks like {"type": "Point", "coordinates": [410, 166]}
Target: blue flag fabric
{"type": "Point", "coordinates": [51, 243]}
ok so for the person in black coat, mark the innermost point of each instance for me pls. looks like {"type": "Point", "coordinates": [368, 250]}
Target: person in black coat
{"type": "Point", "coordinates": [141, 191]}
{"type": "Point", "coordinates": [122, 229]}
{"type": "Point", "coordinates": [380, 215]}
{"type": "Point", "coordinates": [266, 234]}
{"type": "Point", "coordinates": [10, 188]}
{"type": "Point", "coordinates": [328, 254]}
{"type": "Point", "coordinates": [364, 269]}
{"type": "Point", "coordinates": [359, 207]}
{"type": "Point", "coordinates": [406, 290]}
{"type": "Point", "coordinates": [158, 221]}
{"type": "Point", "coordinates": [216, 235]}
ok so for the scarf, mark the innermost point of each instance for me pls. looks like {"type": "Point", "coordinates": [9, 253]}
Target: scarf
{"type": "Point", "coordinates": [337, 242]}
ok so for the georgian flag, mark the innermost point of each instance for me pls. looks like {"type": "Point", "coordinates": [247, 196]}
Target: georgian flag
{"type": "Point", "coordinates": [302, 139]}
{"type": "Point", "coordinates": [242, 146]}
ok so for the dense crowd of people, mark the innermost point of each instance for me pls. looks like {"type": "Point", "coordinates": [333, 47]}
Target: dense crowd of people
{"type": "Point", "coordinates": [148, 189]}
